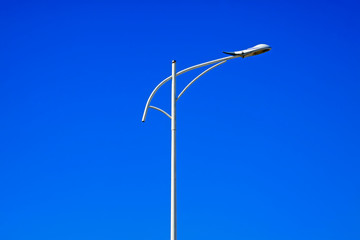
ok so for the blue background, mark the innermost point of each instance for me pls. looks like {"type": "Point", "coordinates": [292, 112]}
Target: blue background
{"type": "Point", "coordinates": [268, 146]}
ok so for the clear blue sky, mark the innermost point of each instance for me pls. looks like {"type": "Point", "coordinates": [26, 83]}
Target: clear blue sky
{"type": "Point", "coordinates": [268, 146]}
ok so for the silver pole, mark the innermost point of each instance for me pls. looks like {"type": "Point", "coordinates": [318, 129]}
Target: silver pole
{"type": "Point", "coordinates": [173, 153]}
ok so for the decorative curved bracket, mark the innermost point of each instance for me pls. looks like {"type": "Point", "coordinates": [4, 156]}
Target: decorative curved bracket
{"type": "Point", "coordinates": [182, 92]}
{"type": "Point", "coordinates": [224, 59]}
{"type": "Point", "coordinates": [159, 109]}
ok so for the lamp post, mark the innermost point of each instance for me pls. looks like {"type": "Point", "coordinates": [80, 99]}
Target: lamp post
{"type": "Point", "coordinates": [256, 50]}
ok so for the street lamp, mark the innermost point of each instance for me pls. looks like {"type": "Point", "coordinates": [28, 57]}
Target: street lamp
{"type": "Point", "coordinates": [256, 50]}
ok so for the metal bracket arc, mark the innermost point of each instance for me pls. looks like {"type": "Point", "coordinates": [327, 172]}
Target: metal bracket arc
{"type": "Point", "coordinates": [159, 109]}
{"type": "Point", "coordinates": [212, 67]}
{"type": "Point", "coordinates": [147, 106]}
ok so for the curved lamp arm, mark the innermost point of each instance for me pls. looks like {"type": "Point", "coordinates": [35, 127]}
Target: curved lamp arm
{"type": "Point", "coordinates": [212, 67]}
{"type": "Point", "coordinates": [222, 60]}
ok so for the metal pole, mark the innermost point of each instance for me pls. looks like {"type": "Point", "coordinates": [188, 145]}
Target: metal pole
{"type": "Point", "coordinates": [173, 153]}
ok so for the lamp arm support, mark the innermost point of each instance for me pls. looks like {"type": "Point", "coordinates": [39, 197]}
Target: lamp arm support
{"type": "Point", "coordinates": [212, 67]}
{"type": "Point", "coordinates": [179, 73]}
{"type": "Point", "coordinates": [159, 109]}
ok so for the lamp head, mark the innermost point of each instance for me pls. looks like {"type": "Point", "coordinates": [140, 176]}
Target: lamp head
{"type": "Point", "coordinates": [256, 50]}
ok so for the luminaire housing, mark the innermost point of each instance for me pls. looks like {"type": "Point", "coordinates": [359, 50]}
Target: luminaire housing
{"type": "Point", "coordinates": [256, 50]}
